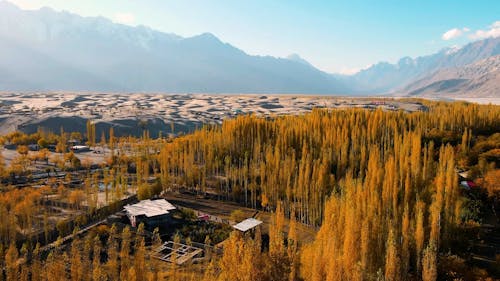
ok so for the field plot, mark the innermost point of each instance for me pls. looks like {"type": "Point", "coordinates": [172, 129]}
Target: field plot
{"type": "Point", "coordinates": [176, 252]}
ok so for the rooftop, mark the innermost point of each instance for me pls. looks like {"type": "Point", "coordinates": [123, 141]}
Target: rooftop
{"type": "Point", "coordinates": [80, 147]}
{"type": "Point", "coordinates": [247, 224]}
{"type": "Point", "coordinates": [150, 208]}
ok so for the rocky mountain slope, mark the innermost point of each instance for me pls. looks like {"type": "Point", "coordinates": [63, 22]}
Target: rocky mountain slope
{"type": "Point", "coordinates": [479, 79]}
{"type": "Point", "coordinates": [384, 77]}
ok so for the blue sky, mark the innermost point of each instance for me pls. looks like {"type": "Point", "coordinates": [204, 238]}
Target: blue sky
{"type": "Point", "coordinates": [335, 36]}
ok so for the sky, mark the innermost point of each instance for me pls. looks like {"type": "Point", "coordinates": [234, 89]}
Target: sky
{"type": "Point", "coordinates": [335, 36]}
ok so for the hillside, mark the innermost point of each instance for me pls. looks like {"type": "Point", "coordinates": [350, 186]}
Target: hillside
{"type": "Point", "coordinates": [49, 50]}
{"type": "Point", "coordinates": [480, 79]}
{"type": "Point", "coordinates": [385, 77]}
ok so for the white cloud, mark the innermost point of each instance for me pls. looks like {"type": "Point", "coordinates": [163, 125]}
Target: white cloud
{"type": "Point", "coordinates": [493, 31]}
{"type": "Point", "coordinates": [454, 33]}
{"type": "Point", "coordinates": [124, 18]}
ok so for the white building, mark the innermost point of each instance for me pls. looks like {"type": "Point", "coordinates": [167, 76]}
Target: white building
{"type": "Point", "coordinates": [80, 148]}
{"type": "Point", "coordinates": [150, 212]}
{"type": "Point", "coordinates": [247, 225]}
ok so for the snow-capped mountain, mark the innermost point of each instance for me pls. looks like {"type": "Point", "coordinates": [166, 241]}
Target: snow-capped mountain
{"type": "Point", "coordinates": [384, 77]}
{"type": "Point", "coordinates": [479, 79]}
{"type": "Point", "coordinates": [49, 50]}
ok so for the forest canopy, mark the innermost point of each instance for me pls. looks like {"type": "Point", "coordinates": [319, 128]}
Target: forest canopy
{"type": "Point", "coordinates": [382, 189]}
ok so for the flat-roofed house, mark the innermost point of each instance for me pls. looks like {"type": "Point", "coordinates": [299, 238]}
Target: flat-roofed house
{"type": "Point", "coordinates": [150, 212]}
{"type": "Point", "coordinates": [80, 148]}
{"type": "Point", "coordinates": [248, 224]}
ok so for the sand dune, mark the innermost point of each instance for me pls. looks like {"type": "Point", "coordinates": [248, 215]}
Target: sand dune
{"type": "Point", "coordinates": [130, 114]}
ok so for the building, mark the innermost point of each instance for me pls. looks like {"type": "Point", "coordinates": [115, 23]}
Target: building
{"type": "Point", "coordinates": [150, 212]}
{"type": "Point", "coordinates": [468, 185]}
{"type": "Point", "coordinates": [33, 147]}
{"type": "Point", "coordinates": [80, 148]}
{"type": "Point", "coordinates": [248, 224]}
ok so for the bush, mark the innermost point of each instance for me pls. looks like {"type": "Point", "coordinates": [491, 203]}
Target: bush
{"type": "Point", "coordinates": [42, 143]}
{"type": "Point", "coordinates": [62, 228]}
{"type": "Point", "coordinates": [143, 192]}
{"type": "Point", "coordinates": [471, 210]}
{"type": "Point", "coordinates": [188, 214]}
{"type": "Point", "coordinates": [76, 163]}
{"type": "Point", "coordinates": [237, 215]}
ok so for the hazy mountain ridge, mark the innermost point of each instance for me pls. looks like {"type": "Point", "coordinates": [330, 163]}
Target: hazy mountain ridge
{"type": "Point", "coordinates": [479, 79]}
{"type": "Point", "coordinates": [45, 50]}
{"type": "Point", "coordinates": [69, 52]}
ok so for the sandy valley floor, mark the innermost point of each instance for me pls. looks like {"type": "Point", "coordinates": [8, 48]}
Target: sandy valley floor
{"type": "Point", "coordinates": [131, 113]}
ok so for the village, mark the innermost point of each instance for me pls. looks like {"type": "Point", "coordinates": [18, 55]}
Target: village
{"type": "Point", "coordinates": [69, 200]}
{"type": "Point", "coordinates": [200, 221]}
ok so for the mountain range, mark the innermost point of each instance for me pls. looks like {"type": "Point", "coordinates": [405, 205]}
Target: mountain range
{"type": "Point", "coordinates": [479, 79]}
{"type": "Point", "coordinates": [384, 77]}
{"type": "Point", "coordinates": [45, 50]}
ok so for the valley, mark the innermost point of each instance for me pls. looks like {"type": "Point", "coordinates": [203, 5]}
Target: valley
{"type": "Point", "coordinates": [167, 114]}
